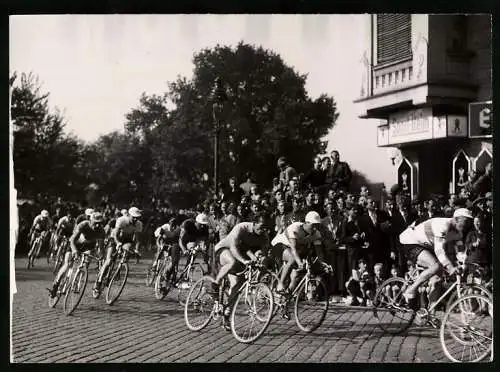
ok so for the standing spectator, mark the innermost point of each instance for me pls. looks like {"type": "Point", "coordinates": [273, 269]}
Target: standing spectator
{"type": "Point", "coordinates": [293, 189]}
{"type": "Point", "coordinates": [297, 214]}
{"type": "Point", "coordinates": [401, 219]}
{"type": "Point", "coordinates": [483, 184]}
{"type": "Point", "coordinates": [286, 171]}
{"type": "Point", "coordinates": [374, 224]}
{"type": "Point", "coordinates": [478, 244]}
{"type": "Point", "coordinates": [255, 195]}
{"type": "Point", "coordinates": [279, 220]}
{"type": "Point", "coordinates": [310, 205]}
{"type": "Point", "coordinates": [227, 221]}
{"type": "Point", "coordinates": [233, 193]}
{"type": "Point", "coordinates": [314, 179]}
{"type": "Point", "coordinates": [246, 186]}
{"type": "Point", "coordinates": [450, 207]}
{"type": "Point", "coordinates": [339, 175]}
{"type": "Point", "coordinates": [351, 237]}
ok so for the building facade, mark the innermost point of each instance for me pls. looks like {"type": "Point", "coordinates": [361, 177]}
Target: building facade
{"type": "Point", "coordinates": [427, 78]}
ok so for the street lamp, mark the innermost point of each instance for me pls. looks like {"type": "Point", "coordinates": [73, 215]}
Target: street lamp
{"type": "Point", "coordinates": [219, 97]}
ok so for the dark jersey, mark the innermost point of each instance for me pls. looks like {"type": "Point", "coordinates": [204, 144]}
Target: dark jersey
{"type": "Point", "coordinates": [86, 236]}
{"type": "Point", "coordinates": [190, 233]}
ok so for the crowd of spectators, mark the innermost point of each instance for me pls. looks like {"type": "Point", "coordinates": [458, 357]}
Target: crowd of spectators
{"type": "Point", "coordinates": [361, 231]}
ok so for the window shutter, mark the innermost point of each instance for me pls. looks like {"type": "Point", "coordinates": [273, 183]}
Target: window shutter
{"type": "Point", "coordinates": [393, 37]}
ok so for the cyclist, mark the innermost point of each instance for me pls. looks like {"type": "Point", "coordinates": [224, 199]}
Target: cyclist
{"type": "Point", "coordinates": [125, 233]}
{"type": "Point", "coordinates": [296, 241]}
{"type": "Point", "coordinates": [41, 223]}
{"type": "Point", "coordinates": [194, 232]}
{"type": "Point", "coordinates": [84, 239]}
{"type": "Point", "coordinates": [85, 216]}
{"type": "Point", "coordinates": [246, 242]}
{"type": "Point", "coordinates": [425, 245]}
{"type": "Point", "coordinates": [167, 237]}
{"type": "Point", "coordinates": [64, 229]}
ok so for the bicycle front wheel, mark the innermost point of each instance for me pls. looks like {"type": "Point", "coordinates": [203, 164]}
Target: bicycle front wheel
{"type": "Point", "coordinates": [389, 306]}
{"type": "Point", "coordinates": [117, 283]}
{"type": "Point", "coordinates": [192, 276]}
{"type": "Point", "coordinates": [60, 292]}
{"type": "Point", "coordinates": [200, 304]}
{"type": "Point", "coordinates": [466, 332]}
{"type": "Point", "coordinates": [252, 312]}
{"type": "Point", "coordinates": [75, 291]}
{"type": "Point", "coordinates": [311, 304]}
{"type": "Point", "coordinates": [466, 290]}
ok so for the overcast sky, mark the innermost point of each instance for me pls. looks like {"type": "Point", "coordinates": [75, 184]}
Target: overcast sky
{"type": "Point", "coordinates": [96, 66]}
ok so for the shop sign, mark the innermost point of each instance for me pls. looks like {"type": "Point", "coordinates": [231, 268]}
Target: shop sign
{"type": "Point", "coordinates": [411, 126]}
{"type": "Point", "coordinates": [480, 119]}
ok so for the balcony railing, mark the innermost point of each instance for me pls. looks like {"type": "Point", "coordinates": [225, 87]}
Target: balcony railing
{"type": "Point", "coordinates": [392, 76]}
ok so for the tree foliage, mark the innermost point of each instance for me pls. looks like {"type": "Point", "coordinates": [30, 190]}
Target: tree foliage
{"type": "Point", "coordinates": [168, 143]}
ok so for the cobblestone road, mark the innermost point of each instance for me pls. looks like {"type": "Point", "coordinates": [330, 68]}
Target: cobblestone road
{"type": "Point", "coordinates": [139, 328]}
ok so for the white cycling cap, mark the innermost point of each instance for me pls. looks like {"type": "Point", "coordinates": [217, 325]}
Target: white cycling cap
{"type": "Point", "coordinates": [134, 212]}
{"type": "Point", "coordinates": [313, 217]}
{"type": "Point", "coordinates": [202, 219]}
{"type": "Point", "coordinates": [462, 212]}
{"type": "Point", "coordinates": [89, 211]}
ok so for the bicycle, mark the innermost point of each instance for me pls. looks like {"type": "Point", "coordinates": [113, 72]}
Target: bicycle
{"type": "Point", "coordinates": [122, 270]}
{"type": "Point", "coordinates": [73, 284]}
{"type": "Point", "coordinates": [35, 248]}
{"type": "Point", "coordinates": [152, 272]}
{"type": "Point", "coordinates": [309, 294]}
{"type": "Point", "coordinates": [191, 273]}
{"type": "Point", "coordinates": [458, 327]}
{"type": "Point", "coordinates": [250, 298]}
{"type": "Point", "coordinates": [389, 301]}
{"type": "Point", "coordinates": [59, 258]}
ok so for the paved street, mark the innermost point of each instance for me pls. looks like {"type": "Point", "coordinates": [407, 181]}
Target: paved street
{"type": "Point", "coordinates": [139, 328]}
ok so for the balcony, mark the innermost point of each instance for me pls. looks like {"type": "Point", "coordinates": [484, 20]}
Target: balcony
{"type": "Point", "coordinates": [392, 76]}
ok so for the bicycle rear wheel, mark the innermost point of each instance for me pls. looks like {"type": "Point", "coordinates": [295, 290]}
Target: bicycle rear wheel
{"type": "Point", "coordinates": [252, 312]}
{"type": "Point", "coordinates": [466, 332]}
{"type": "Point", "coordinates": [311, 304]}
{"type": "Point", "coordinates": [185, 284]}
{"type": "Point", "coordinates": [117, 283]}
{"type": "Point", "coordinates": [199, 307]}
{"type": "Point", "coordinates": [75, 291]}
{"type": "Point", "coordinates": [389, 306]}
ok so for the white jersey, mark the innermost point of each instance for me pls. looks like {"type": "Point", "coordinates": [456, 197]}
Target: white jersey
{"type": "Point", "coordinates": [427, 232]}
{"type": "Point", "coordinates": [166, 229]}
{"type": "Point", "coordinates": [296, 231]}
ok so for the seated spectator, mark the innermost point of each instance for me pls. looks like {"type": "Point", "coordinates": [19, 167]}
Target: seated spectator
{"type": "Point", "coordinates": [378, 275]}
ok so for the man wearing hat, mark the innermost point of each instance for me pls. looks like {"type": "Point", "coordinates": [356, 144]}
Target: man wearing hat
{"type": "Point", "coordinates": [424, 244]}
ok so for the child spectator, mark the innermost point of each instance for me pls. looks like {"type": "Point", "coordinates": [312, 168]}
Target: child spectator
{"type": "Point", "coordinates": [357, 285]}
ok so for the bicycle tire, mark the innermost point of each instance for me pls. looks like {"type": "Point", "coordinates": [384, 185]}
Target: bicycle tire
{"type": "Point", "coordinates": [256, 291]}
{"type": "Point", "coordinates": [445, 326]}
{"type": "Point", "coordinates": [162, 277]}
{"type": "Point", "coordinates": [199, 298]}
{"type": "Point", "coordinates": [110, 300]}
{"type": "Point", "coordinates": [195, 273]}
{"type": "Point", "coordinates": [378, 305]}
{"type": "Point", "coordinates": [151, 275]}
{"type": "Point", "coordinates": [60, 292]}
{"type": "Point", "coordinates": [81, 273]}
{"type": "Point", "coordinates": [31, 253]}
{"type": "Point", "coordinates": [311, 291]}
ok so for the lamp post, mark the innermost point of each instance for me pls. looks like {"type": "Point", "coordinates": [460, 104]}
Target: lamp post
{"type": "Point", "coordinates": [219, 97]}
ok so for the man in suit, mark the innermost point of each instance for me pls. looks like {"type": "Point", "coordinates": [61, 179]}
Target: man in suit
{"type": "Point", "coordinates": [338, 175]}
{"type": "Point", "coordinates": [233, 193]}
{"type": "Point", "coordinates": [375, 224]}
{"type": "Point", "coordinates": [402, 217]}
{"type": "Point", "coordinates": [314, 179]}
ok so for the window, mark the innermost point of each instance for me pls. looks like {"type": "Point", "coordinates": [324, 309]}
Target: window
{"type": "Point", "coordinates": [393, 37]}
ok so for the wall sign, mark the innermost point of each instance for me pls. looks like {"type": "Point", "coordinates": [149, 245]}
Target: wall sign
{"type": "Point", "coordinates": [420, 125]}
{"type": "Point", "coordinates": [480, 119]}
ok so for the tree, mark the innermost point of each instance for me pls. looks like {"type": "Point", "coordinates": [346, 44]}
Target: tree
{"type": "Point", "coordinates": [43, 154]}
{"type": "Point", "coordinates": [268, 114]}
